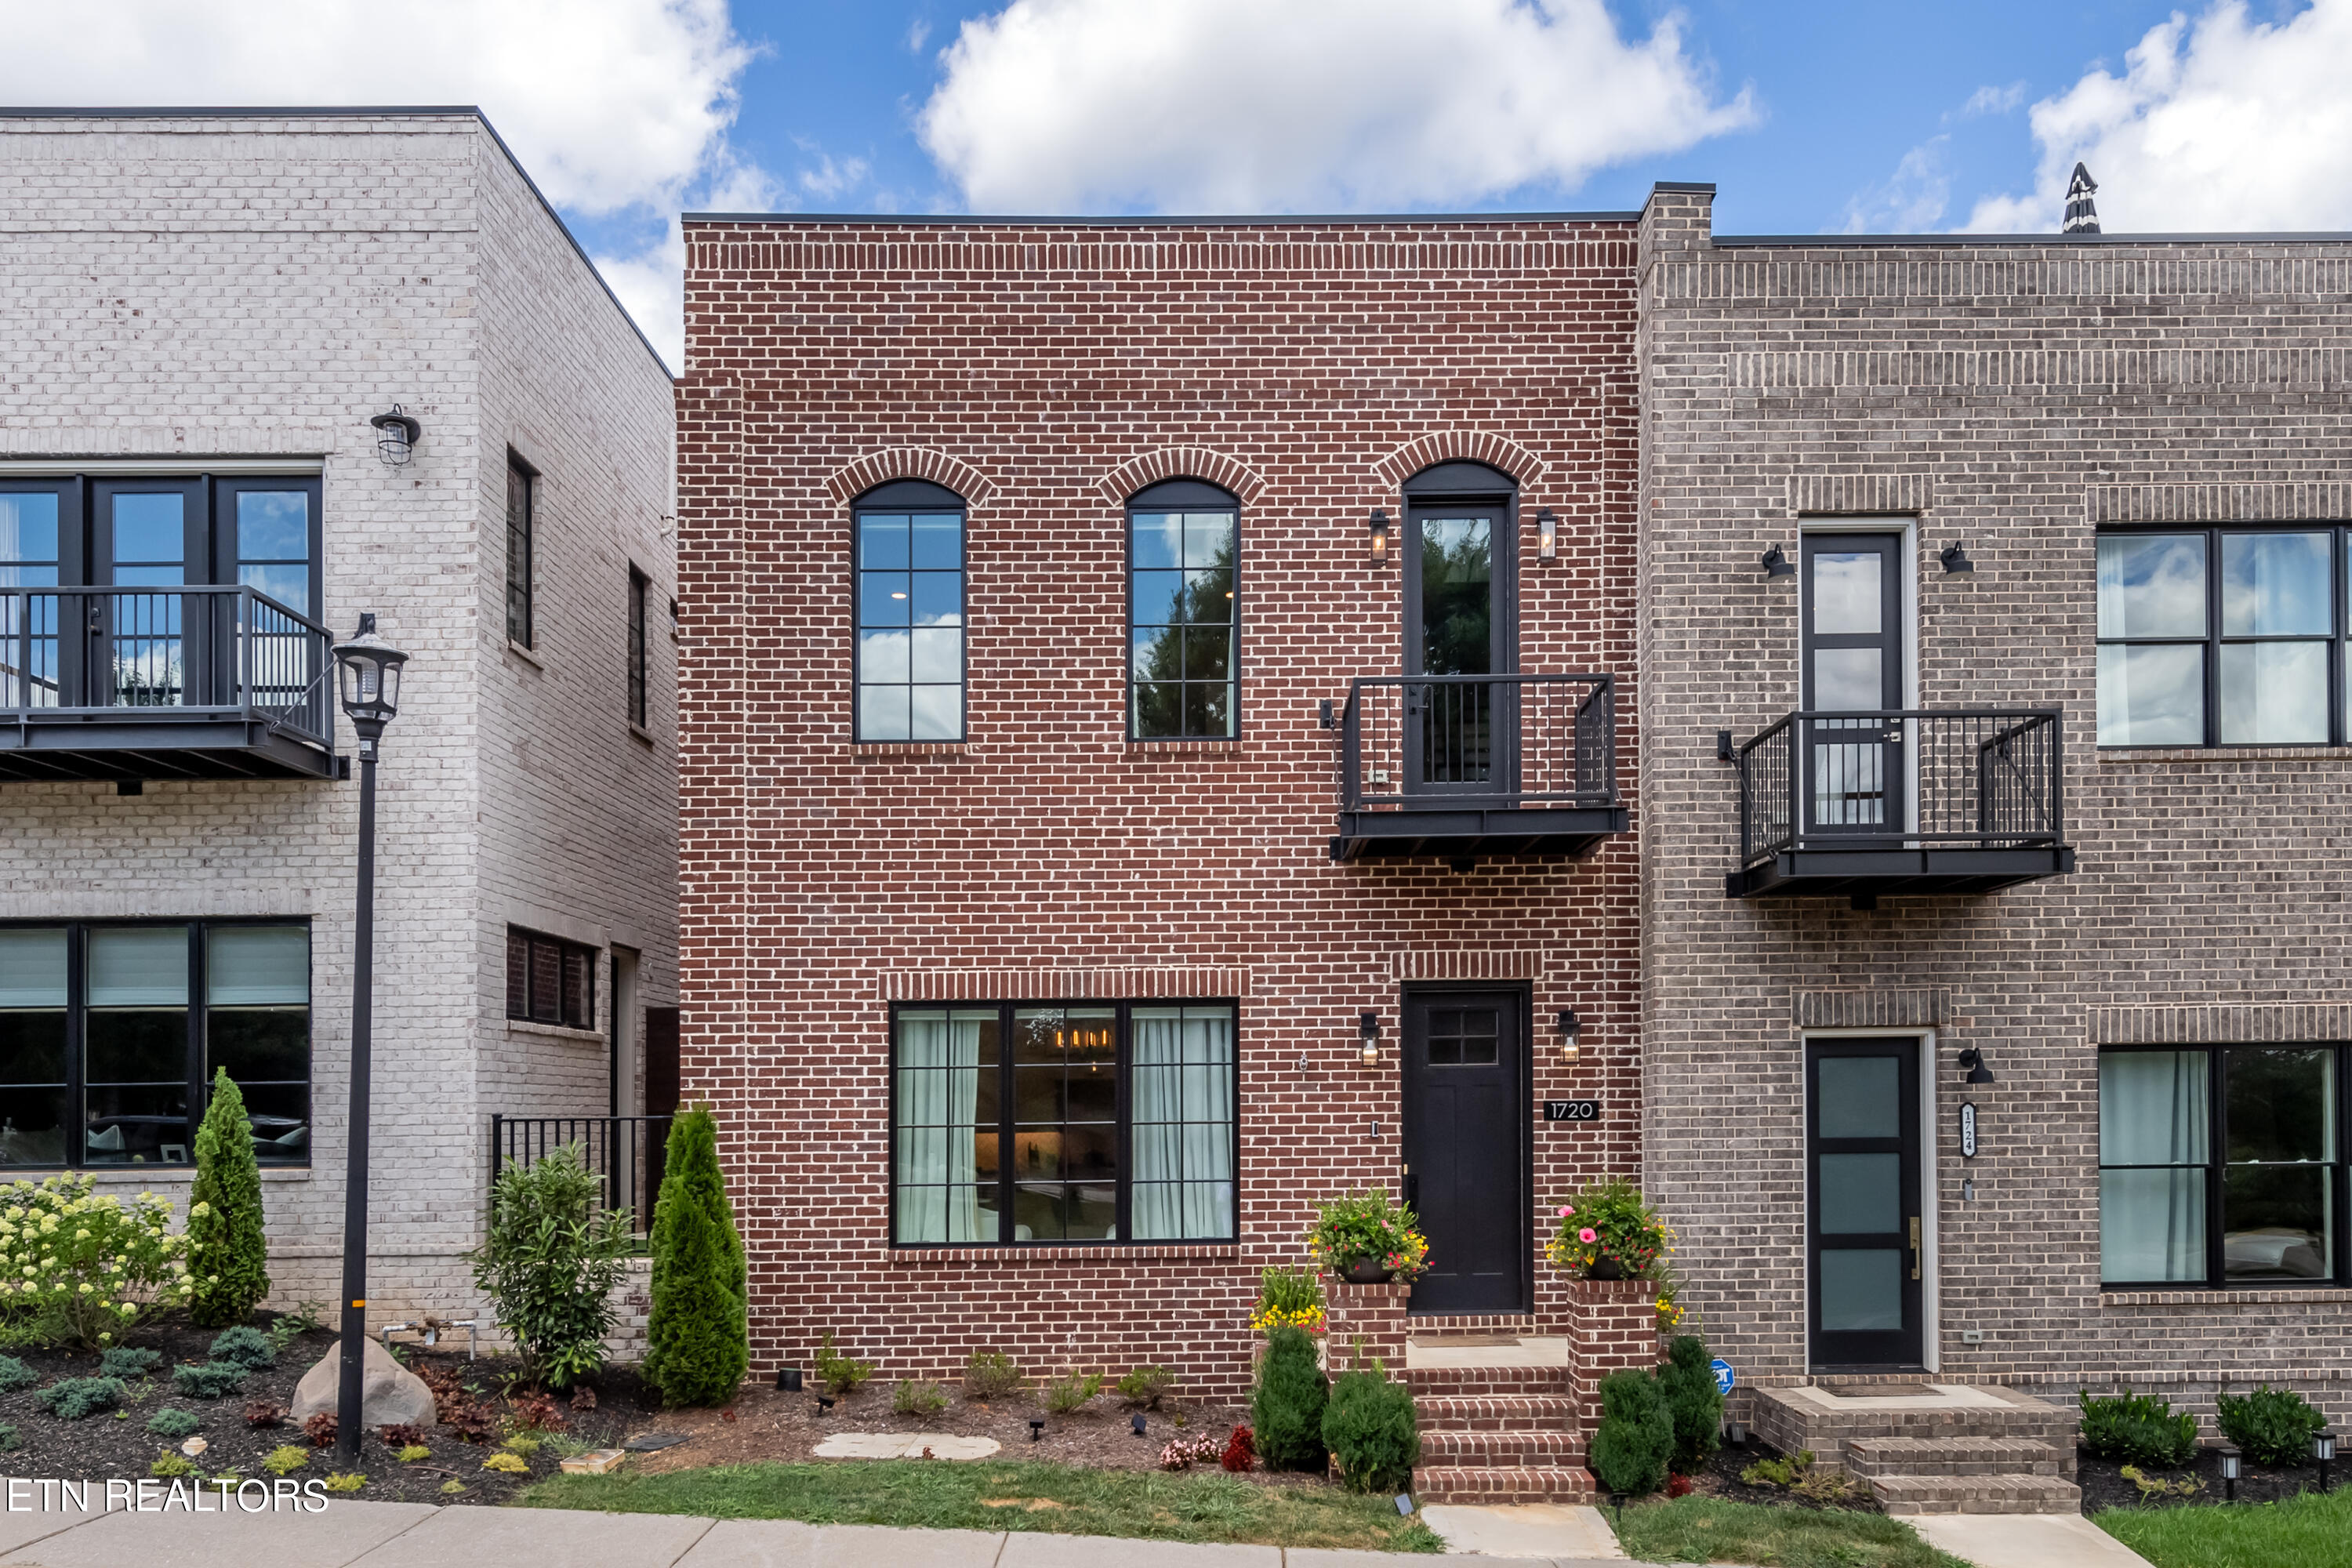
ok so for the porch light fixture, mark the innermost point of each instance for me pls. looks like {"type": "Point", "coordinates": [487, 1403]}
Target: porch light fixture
{"type": "Point", "coordinates": [1955, 559]}
{"type": "Point", "coordinates": [1547, 534]}
{"type": "Point", "coordinates": [395, 435]}
{"type": "Point", "coordinates": [1973, 1059]}
{"type": "Point", "coordinates": [1367, 1026]}
{"type": "Point", "coordinates": [1378, 527]}
{"type": "Point", "coordinates": [2323, 1452]}
{"type": "Point", "coordinates": [1776, 564]}
{"type": "Point", "coordinates": [1570, 1027]}
{"type": "Point", "coordinates": [2230, 1461]}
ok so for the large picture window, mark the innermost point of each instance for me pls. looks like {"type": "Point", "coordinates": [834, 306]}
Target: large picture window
{"type": "Point", "coordinates": [1183, 619]}
{"type": "Point", "coordinates": [1061, 1123]}
{"type": "Point", "coordinates": [2221, 1166]}
{"type": "Point", "coordinates": [549, 981]}
{"type": "Point", "coordinates": [111, 1033]}
{"type": "Point", "coordinates": [2229, 636]}
{"type": "Point", "coordinates": [910, 656]}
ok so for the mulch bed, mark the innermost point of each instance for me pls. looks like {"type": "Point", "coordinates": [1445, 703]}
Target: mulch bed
{"type": "Point", "coordinates": [2104, 1485]}
{"type": "Point", "coordinates": [1720, 1478]}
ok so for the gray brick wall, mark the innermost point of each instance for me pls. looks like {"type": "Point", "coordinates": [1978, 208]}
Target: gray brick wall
{"type": "Point", "coordinates": [2009, 395]}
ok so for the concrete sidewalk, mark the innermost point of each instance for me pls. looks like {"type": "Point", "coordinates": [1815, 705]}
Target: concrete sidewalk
{"type": "Point", "coordinates": [420, 1535]}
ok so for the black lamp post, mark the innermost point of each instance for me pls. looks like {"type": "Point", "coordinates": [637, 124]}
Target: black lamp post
{"type": "Point", "coordinates": [368, 676]}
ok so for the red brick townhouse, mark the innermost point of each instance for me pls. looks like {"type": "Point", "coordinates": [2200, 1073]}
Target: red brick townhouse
{"type": "Point", "coordinates": [1157, 741]}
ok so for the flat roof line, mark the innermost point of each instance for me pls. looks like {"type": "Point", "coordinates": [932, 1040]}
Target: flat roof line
{"type": "Point", "coordinates": [958, 220]}
{"type": "Point", "coordinates": [1817, 241]}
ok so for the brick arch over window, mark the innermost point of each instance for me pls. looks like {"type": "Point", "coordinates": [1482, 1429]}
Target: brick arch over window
{"type": "Point", "coordinates": [1182, 463]}
{"type": "Point", "coordinates": [1455, 447]}
{"type": "Point", "coordinates": [846, 484]}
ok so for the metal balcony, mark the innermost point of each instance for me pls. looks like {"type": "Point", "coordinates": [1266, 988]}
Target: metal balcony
{"type": "Point", "coordinates": [1857, 805]}
{"type": "Point", "coordinates": [162, 683]}
{"type": "Point", "coordinates": [1467, 767]}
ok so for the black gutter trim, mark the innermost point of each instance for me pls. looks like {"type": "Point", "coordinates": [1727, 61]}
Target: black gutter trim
{"type": "Point", "coordinates": [2014, 241]}
{"type": "Point", "coordinates": [958, 220]}
{"type": "Point", "coordinates": [429, 111]}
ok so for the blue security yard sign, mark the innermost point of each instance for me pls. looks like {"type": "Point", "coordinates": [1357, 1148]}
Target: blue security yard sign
{"type": "Point", "coordinates": [1723, 1377]}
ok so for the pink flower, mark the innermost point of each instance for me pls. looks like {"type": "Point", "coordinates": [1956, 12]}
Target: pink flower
{"type": "Point", "coordinates": [1565, 1211]}
{"type": "Point", "coordinates": [1588, 1234]}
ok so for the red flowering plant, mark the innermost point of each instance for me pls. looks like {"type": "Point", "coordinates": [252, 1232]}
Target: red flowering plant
{"type": "Point", "coordinates": [1368, 1227]}
{"type": "Point", "coordinates": [1608, 1233]}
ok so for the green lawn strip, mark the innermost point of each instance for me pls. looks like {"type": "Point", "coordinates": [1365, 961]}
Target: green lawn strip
{"type": "Point", "coordinates": [947, 1495]}
{"type": "Point", "coordinates": [1710, 1529]}
{"type": "Point", "coordinates": [2308, 1532]}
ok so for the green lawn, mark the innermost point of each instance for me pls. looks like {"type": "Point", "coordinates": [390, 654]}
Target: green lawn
{"type": "Point", "coordinates": [1709, 1529]}
{"type": "Point", "coordinates": [2308, 1532]}
{"type": "Point", "coordinates": [1064, 1499]}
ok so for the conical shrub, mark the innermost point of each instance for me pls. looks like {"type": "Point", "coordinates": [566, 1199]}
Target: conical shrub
{"type": "Point", "coordinates": [229, 1257]}
{"type": "Point", "coordinates": [1288, 1404]}
{"type": "Point", "coordinates": [1637, 1436]}
{"type": "Point", "coordinates": [697, 1334]}
{"type": "Point", "coordinates": [1687, 1383]}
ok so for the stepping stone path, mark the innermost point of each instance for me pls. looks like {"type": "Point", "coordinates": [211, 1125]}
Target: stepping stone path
{"type": "Point", "coordinates": [904, 1445]}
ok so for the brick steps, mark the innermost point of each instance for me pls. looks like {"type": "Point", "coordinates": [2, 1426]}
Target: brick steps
{"type": "Point", "coordinates": [1870, 1458]}
{"type": "Point", "coordinates": [1508, 1449]}
{"type": "Point", "coordinates": [1900, 1495]}
{"type": "Point", "coordinates": [1485, 1381]}
{"type": "Point", "coordinates": [1501, 1483]}
{"type": "Point", "coordinates": [1495, 1412]}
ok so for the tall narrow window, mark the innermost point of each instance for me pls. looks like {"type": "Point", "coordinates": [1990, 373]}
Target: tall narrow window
{"type": "Point", "coordinates": [1183, 658]}
{"type": "Point", "coordinates": [136, 1046]}
{"type": "Point", "coordinates": [257, 1028]}
{"type": "Point", "coordinates": [520, 483]}
{"type": "Point", "coordinates": [31, 530]}
{"type": "Point", "coordinates": [638, 647]}
{"type": "Point", "coordinates": [911, 613]}
{"type": "Point", "coordinates": [33, 1044]}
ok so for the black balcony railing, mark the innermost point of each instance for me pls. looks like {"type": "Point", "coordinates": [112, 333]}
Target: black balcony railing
{"type": "Point", "coordinates": [1453, 742]}
{"type": "Point", "coordinates": [1906, 784]}
{"type": "Point", "coordinates": [74, 658]}
{"type": "Point", "coordinates": [627, 1151]}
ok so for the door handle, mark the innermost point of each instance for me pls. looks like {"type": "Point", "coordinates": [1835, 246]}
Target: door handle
{"type": "Point", "coordinates": [1412, 1191]}
{"type": "Point", "coordinates": [1915, 1246]}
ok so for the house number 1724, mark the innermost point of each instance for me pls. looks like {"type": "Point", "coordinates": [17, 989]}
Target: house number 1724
{"type": "Point", "coordinates": [1571, 1110]}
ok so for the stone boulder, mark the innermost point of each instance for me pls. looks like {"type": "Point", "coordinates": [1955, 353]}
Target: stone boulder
{"type": "Point", "coordinates": [390, 1395]}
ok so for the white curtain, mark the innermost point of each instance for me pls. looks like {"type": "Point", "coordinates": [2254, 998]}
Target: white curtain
{"type": "Point", "coordinates": [938, 1099]}
{"type": "Point", "coordinates": [2154, 1112]}
{"type": "Point", "coordinates": [1183, 1123]}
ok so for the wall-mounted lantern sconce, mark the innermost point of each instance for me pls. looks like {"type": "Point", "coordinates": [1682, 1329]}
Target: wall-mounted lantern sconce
{"type": "Point", "coordinates": [1547, 534]}
{"type": "Point", "coordinates": [1367, 1026]}
{"type": "Point", "coordinates": [1776, 564]}
{"type": "Point", "coordinates": [395, 435]}
{"type": "Point", "coordinates": [1955, 559]}
{"type": "Point", "coordinates": [1570, 1027]}
{"type": "Point", "coordinates": [1973, 1059]}
{"type": "Point", "coordinates": [1379, 529]}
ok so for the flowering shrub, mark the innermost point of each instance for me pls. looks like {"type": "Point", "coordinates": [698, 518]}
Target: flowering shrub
{"type": "Point", "coordinates": [79, 1269]}
{"type": "Point", "coordinates": [1186, 1452]}
{"type": "Point", "coordinates": [1369, 1226]}
{"type": "Point", "coordinates": [1608, 1233]}
{"type": "Point", "coordinates": [1287, 1297]}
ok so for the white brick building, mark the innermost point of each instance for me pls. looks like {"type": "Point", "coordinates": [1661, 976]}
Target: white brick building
{"type": "Point", "coordinates": [200, 313]}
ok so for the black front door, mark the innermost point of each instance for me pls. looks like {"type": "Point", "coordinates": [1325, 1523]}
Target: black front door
{"type": "Point", "coordinates": [1466, 1156]}
{"type": "Point", "coordinates": [1457, 726]}
{"type": "Point", "coordinates": [1854, 663]}
{"type": "Point", "coordinates": [1865, 1252]}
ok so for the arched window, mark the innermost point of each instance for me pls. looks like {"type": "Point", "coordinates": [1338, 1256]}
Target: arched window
{"type": "Point", "coordinates": [910, 659]}
{"type": "Point", "coordinates": [1183, 613]}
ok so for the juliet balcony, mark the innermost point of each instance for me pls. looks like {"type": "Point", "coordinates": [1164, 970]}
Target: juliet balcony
{"type": "Point", "coordinates": [162, 683]}
{"type": "Point", "coordinates": [1855, 805]}
{"type": "Point", "coordinates": [1469, 767]}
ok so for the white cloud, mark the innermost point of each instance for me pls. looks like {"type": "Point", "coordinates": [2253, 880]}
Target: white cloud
{"type": "Point", "coordinates": [917, 33]}
{"type": "Point", "coordinates": [612, 105]}
{"type": "Point", "coordinates": [1913, 202]}
{"type": "Point", "coordinates": [1993, 101]}
{"type": "Point", "coordinates": [1246, 106]}
{"type": "Point", "coordinates": [2222, 125]}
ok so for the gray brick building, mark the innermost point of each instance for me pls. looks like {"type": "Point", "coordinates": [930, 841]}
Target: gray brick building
{"type": "Point", "coordinates": [2089, 832]}
{"type": "Point", "coordinates": [201, 313]}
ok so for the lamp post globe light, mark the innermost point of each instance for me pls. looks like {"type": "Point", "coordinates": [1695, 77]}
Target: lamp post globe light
{"type": "Point", "coordinates": [367, 675]}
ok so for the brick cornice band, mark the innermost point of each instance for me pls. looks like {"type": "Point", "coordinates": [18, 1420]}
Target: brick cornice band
{"type": "Point", "coordinates": [1458, 447]}
{"type": "Point", "coordinates": [1469, 964]}
{"type": "Point", "coordinates": [1872, 1009]}
{"type": "Point", "coordinates": [1182, 463]}
{"type": "Point", "coordinates": [2219, 503]}
{"type": "Point", "coordinates": [1875, 494]}
{"type": "Point", "coordinates": [846, 484]}
{"type": "Point", "coordinates": [2248, 1024]}
{"type": "Point", "coordinates": [1060, 985]}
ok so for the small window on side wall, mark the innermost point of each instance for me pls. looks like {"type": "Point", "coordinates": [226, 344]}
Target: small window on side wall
{"type": "Point", "coordinates": [521, 500]}
{"type": "Point", "coordinates": [637, 656]}
{"type": "Point", "coordinates": [1183, 613]}
{"type": "Point", "coordinates": [909, 657]}
{"type": "Point", "coordinates": [549, 981]}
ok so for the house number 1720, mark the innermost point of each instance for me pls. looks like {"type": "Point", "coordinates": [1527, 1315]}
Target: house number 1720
{"type": "Point", "coordinates": [1571, 1110]}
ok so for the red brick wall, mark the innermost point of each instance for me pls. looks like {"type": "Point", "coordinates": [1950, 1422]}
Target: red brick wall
{"type": "Point", "coordinates": [1044, 372]}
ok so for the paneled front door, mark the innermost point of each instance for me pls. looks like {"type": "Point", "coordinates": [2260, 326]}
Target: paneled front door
{"type": "Point", "coordinates": [1466, 1147]}
{"type": "Point", "coordinates": [1866, 1253]}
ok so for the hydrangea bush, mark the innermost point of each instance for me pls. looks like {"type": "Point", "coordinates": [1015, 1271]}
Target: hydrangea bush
{"type": "Point", "coordinates": [82, 1269]}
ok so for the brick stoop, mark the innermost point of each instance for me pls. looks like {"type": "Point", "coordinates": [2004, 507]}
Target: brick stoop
{"type": "Point", "coordinates": [1933, 1447]}
{"type": "Point", "coordinates": [1901, 1495]}
{"type": "Point", "coordinates": [1498, 1422]}
{"type": "Point", "coordinates": [1498, 1485]}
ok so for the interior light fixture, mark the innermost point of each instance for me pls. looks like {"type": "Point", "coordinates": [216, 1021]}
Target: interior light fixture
{"type": "Point", "coordinates": [1547, 534]}
{"type": "Point", "coordinates": [1378, 527]}
{"type": "Point", "coordinates": [1776, 564]}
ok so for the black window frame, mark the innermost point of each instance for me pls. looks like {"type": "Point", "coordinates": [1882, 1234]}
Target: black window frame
{"type": "Point", "coordinates": [1124, 1069]}
{"type": "Point", "coordinates": [2217, 1164]}
{"type": "Point", "coordinates": [910, 497]}
{"type": "Point", "coordinates": [210, 545]}
{"type": "Point", "coordinates": [2338, 639]}
{"type": "Point", "coordinates": [522, 553]}
{"type": "Point", "coordinates": [1186, 495]}
{"type": "Point", "coordinates": [566, 952]}
{"type": "Point", "coordinates": [640, 652]}
{"type": "Point", "coordinates": [199, 1008]}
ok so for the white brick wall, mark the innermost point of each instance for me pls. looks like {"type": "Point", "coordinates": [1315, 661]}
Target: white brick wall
{"type": "Point", "coordinates": [191, 286]}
